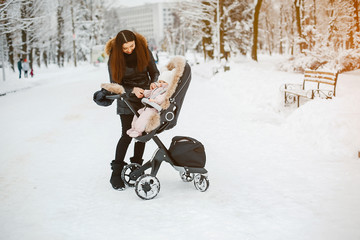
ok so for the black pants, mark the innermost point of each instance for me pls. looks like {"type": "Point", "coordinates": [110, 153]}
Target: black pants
{"type": "Point", "coordinates": [125, 141]}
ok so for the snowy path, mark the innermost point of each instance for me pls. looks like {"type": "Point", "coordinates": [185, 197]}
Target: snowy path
{"type": "Point", "coordinates": [269, 177]}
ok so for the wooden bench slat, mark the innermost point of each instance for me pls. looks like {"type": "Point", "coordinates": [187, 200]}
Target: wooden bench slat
{"type": "Point", "coordinates": [317, 81]}
{"type": "Point", "coordinates": [320, 72]}
{"type": "Point", "coordinates": [331, 78]}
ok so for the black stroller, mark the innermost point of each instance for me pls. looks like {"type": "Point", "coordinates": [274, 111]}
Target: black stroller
{"type": "Point", "coordinates": [185, 154]}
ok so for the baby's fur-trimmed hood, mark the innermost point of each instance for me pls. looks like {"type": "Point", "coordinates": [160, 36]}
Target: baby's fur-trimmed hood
{"type": "Point", "coordinates": [177, 64]}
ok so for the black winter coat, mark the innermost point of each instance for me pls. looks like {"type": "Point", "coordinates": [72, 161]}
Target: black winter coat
{"type": "Point", "coordinates": [133, 78]}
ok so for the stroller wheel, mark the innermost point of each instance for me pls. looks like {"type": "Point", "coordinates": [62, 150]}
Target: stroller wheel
{"type": "Point", "coordinates": [125, 174]}
{"type": "Point", "coordinates": [147, 187]}
{"type": "Point", "coordinates": [201, 182]}
{"type": "Point", "coordinates": [186, 177]}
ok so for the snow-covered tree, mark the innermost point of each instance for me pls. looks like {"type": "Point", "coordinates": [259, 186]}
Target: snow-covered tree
{"type": "Point", "coordinates": [65, 31]}
{"type": "Point", "coordinates": [230, 33]}
{"type": "Point", "coordinates": [43, 30]}
{"type": "Point", "coordinates": [111, 23]}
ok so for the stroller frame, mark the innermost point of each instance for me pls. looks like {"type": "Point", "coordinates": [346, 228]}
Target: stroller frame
{"type": "Point", "coordinates": [147, 186]}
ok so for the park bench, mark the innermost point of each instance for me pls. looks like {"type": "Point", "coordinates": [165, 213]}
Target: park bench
{"type": "Point", "coordinates": [315, 84]}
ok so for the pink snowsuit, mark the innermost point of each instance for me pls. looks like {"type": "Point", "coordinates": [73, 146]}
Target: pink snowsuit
{"type": "Point", "coordinates": [138, 124]}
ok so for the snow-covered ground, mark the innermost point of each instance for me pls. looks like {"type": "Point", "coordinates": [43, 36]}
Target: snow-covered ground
{"type": "Point", "coordinates": [275, 172]}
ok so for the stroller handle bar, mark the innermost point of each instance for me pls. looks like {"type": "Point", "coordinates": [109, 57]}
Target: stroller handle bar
{"type": "Point", "coordinates": [145, 101]}
{"type": "Point", "coordinates": [113, 97]}
{"type": "Point", "coordinates": [123, 98]}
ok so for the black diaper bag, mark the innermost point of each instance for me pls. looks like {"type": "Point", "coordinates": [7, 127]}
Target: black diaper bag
{"type": "Point", "coordinates": [187, 151]}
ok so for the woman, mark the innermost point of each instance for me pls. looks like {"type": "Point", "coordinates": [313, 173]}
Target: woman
{"type": "Point", "coordinates": [132, 65]}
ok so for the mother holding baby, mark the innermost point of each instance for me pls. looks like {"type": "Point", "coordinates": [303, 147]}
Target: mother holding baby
{"type": "Point", "coordinates": [131, 64]}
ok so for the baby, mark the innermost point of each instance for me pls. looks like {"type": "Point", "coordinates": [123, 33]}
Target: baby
{"type": "Point", "coordinates": [156, 95]}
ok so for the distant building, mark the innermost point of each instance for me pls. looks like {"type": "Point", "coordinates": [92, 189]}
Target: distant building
{"type": "Point", "coordinates": [150, 20]}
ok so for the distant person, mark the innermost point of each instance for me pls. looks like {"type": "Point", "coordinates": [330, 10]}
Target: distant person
{"type": "Point", "coordinates": [101, 58]}
{"type": "Point", "coordinates": [25, 67]}
{"type": "Point", "coordinates": [32, 73]}
{"type": "Point", "coordinates": [19, 65]}
{"type": "Point", "coordinates": [156, 57]}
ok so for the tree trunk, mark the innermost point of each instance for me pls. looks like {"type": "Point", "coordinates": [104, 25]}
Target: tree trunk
{"type": "Point", "coordinates": [31, 32]}
{"type": "Point", "coordinates": [204, 48]}
{"type": "Point", "coordinates": [60, 37]}
{"type": "Point", "coordinates": [281, 51]}
{"type": "Point", "coordinates": [356, 7]}
{"type": "Point", "coordinates": [37, 56]}
{"type": "Point", "coordinates": [351, 41]}
{"type": "Point", "coordinates": [222, 33]}
{"type": "Point", "coordinates": [73, 31]}
{"type": "Point", "coordinates": [45, 58]}
{"type": "Point", "coordinates": [315, 12]}
{"type": "Point", "coordinates": [31, 58]}
{"type": "Point", "coordinates": [206, 40]}
{"type": "Point", "coordinates": [23, 33]}
{"type": "Point", "coordinates": [255, 33]}
{"type": "Point", "coordinates": [9, 43]}
{"type": "Point", "coordinates": [11, 50]}
{"type": "Point", "coordinates": [298, 21]}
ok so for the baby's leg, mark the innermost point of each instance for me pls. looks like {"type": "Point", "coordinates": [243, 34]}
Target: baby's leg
{"type": "Point", "coordinates": [140, 111]}
{"type": "Point", "coordinates": [143, 120]}
{"type": "Point", "coordinates": [132, 132]}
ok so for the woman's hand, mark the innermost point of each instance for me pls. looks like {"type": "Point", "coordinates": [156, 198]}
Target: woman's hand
{"type": "Point", "coordinates": [153, 86]}
{"type": "Point", "coordinates": [139, 92]}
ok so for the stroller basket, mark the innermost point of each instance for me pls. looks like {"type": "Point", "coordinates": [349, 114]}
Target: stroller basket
{"type": "Point", "coordinates": [187, 151]}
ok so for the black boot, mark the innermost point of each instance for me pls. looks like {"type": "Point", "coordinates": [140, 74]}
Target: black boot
{"type": "Point", "coordinates": [115, 180]}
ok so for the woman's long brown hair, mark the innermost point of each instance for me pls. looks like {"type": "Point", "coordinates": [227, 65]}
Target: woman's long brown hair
{"type": "Point", "coordinates": [117, 60]}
